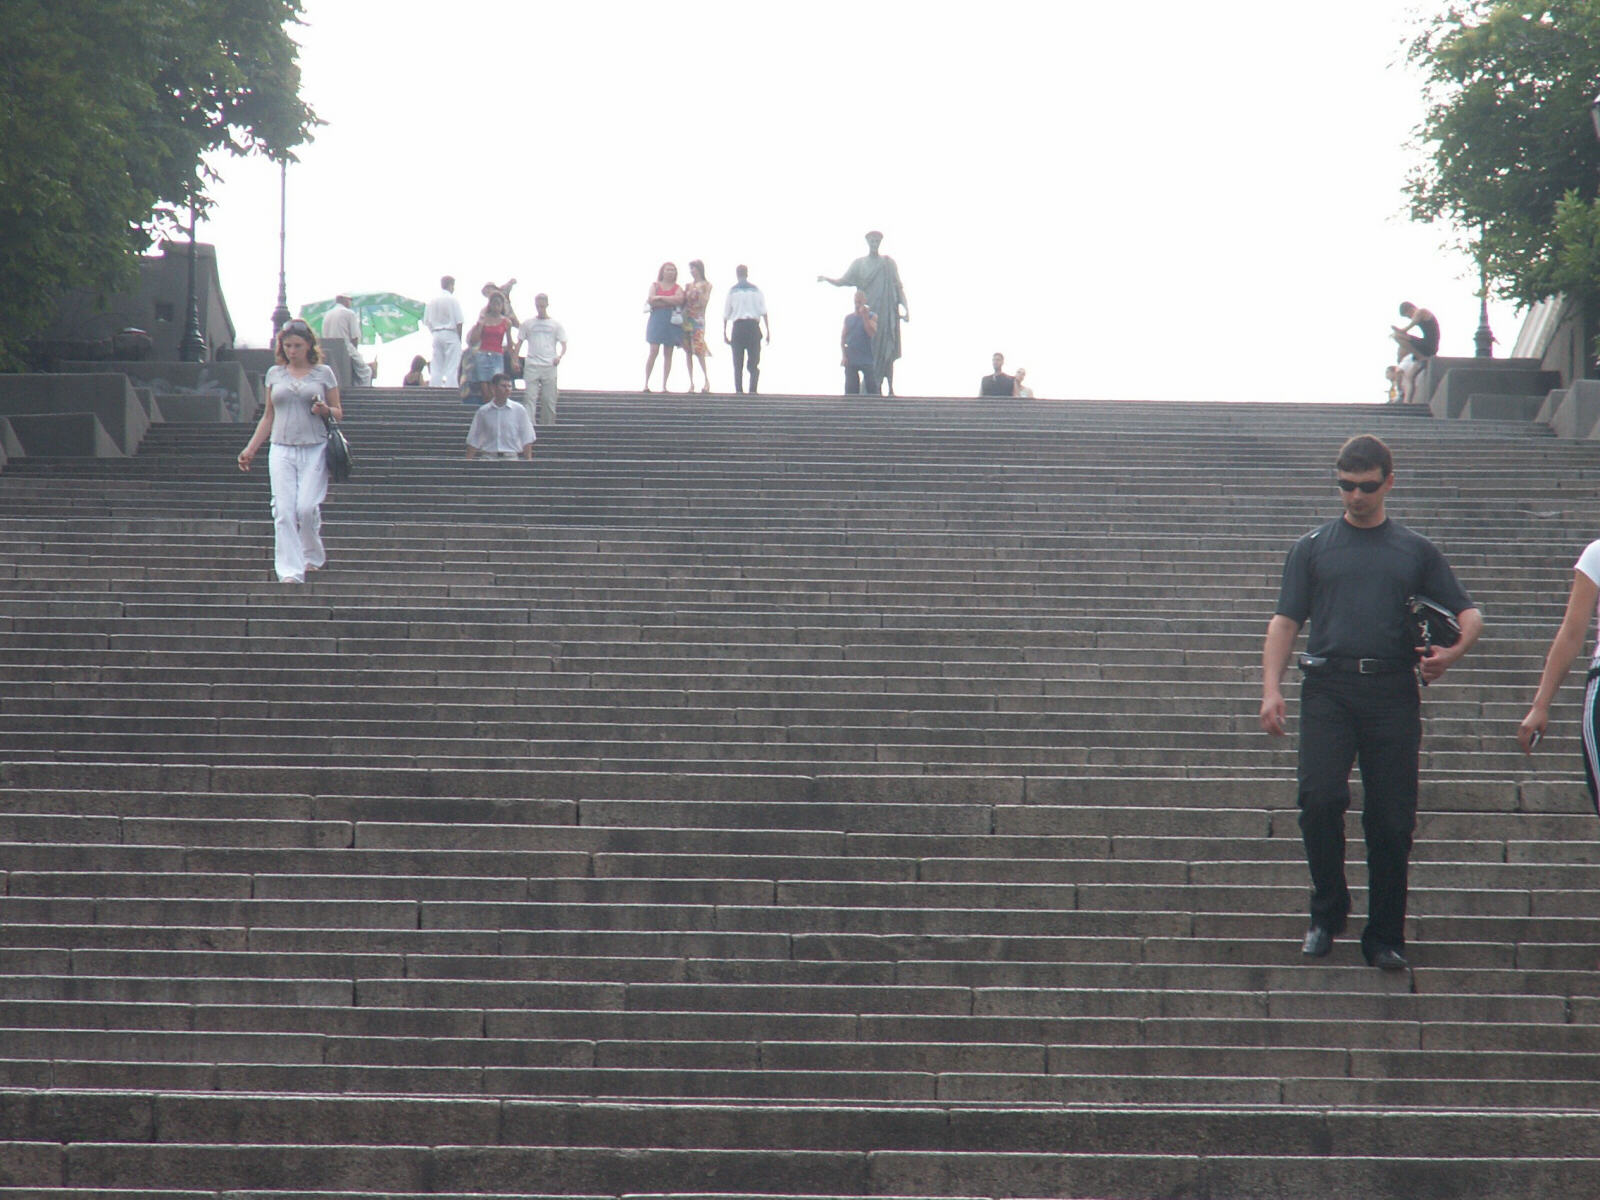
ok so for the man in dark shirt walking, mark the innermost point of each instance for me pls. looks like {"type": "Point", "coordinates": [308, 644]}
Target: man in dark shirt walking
{"type": "Point", "coordinates": [1359, 699]}
{"type": "Point", "coordinates": [855, 349]}
{"type": "Point", "coordinates": [998, 384]}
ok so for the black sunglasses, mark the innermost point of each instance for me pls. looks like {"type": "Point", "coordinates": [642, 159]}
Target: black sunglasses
{"type": "Point", "coordinates": [1367, 486]}
{"type": "Point", "coordinates": [296, 327]}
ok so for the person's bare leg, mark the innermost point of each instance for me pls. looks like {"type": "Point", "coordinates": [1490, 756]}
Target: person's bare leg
{"type": "Point", "coordinates": [666, 367]}
{"type": "Point", "coordinates": [650, 365]}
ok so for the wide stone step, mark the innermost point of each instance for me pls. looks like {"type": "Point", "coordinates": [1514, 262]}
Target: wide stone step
{"type": "Point", "coordinates": [888, 758]}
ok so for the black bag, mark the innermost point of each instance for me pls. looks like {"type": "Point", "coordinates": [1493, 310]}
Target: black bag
{"type": "Point", "coordinates": [338, 452]}
{"type": "Point", "coordinates": [1432, 624]}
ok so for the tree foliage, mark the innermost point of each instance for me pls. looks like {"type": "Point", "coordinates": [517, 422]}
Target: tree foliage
{"type": "Point", "coordinates": [107, 108]}
{"type": "Point", "coordinates": [1509, 139]}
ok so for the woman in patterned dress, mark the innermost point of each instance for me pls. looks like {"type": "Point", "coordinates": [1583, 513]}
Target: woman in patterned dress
{"type": "Point", "coordinates": [696, 298]}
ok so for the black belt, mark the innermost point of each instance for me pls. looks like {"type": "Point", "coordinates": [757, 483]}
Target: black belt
{"type": "Point", "coordinates": [1314, 663]}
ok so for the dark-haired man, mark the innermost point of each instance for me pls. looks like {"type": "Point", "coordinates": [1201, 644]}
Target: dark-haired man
{"type": "Point", "coordinates": [998, 384]}
{"type": "Point", "coordinates": [855, 348]}
{"type": "Point", "coordinates": [746, 307]}
{"type": "Point", "coordinates": [500, 429]}
{"type": "Point", "coordinates": [1359, 699]}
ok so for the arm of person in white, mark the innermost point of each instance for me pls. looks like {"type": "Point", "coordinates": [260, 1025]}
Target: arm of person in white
{"type": "Point", "coordinates": [1565, 647]}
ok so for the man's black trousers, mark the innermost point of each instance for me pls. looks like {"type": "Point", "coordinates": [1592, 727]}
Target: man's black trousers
{"type": "Point", "coordinates": [746, 341]}
{"type": "Point", "coordinates": [1376, 721]}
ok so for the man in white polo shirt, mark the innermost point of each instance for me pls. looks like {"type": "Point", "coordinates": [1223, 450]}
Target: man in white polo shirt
{"type": "Point", "coordinates": [501, 429]}
{"type": "Point", "coordinates": [544, 345]}
{"type": "Point", "coordinates": [746, 307]}
{"type": "Point", "coordinates": [442, 318]}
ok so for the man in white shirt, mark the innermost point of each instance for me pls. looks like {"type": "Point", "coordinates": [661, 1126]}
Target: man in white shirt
{"type": "Point", "coordinates": [442, 318]}
{"type": "Point", "coordinates": [746, 307]}
{"type": "Point", "coordinates": [341, 321]}
{"type": "Point", "coordinates": [501, 429]}
{"type": "Point", "coordinates": [544, 345]}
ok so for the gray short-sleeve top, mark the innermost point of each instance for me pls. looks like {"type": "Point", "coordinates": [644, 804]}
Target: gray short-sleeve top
{"type": "Point", "coordinates": [292, 422]}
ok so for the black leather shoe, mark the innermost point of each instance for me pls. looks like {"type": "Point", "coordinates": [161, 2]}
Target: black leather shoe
{"type": "Point", "coordinates": [1319, 940]}
{"type": "Point", "coordinates": [1389, 959]}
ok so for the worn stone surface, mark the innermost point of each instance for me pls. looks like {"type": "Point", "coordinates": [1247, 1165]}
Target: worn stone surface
{"type": "Point", "coordinates": [787, 798]}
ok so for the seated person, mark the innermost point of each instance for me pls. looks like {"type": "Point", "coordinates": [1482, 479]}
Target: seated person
{"type": "Point", "coordinates": [418, 375]}
{"type": "Point", "coordinates": [1023, 391]}
{"type": "Point", "coordinates": [501, 429]}
{"type": "Point", "coordinates": [998, 384]}
{"type": "Point", "coordinates": [1423, 344]}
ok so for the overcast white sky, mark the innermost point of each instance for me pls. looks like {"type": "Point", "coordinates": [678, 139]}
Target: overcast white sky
{"type": "Point", "coordinates": [1165, 200]}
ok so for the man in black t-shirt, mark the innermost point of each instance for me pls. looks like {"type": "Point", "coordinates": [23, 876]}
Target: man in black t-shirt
{"type": "Point", "coordinates": [998, 384]}
{"type": "Point", "coordinates": [1351, 578]}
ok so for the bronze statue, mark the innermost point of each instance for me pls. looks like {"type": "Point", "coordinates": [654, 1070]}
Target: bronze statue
{"type": "Point", "coordinates": [877, 276]}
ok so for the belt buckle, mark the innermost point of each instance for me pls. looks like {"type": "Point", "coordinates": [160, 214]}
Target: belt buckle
{"type": "Point", "coordinates": [1369, 666]}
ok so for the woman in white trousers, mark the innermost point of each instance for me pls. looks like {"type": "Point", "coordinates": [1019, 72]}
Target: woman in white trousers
{"type": "Point", "coordinates": [301, 390]}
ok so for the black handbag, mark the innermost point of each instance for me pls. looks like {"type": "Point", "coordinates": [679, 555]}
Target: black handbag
{"type": "Point", "coordinates": [1432, 624]}
{"type": "Point", "coordinates": [338, 452]}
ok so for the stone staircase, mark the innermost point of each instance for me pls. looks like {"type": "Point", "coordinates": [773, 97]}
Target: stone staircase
{"type": "Point", "coordinates": [783, 797]}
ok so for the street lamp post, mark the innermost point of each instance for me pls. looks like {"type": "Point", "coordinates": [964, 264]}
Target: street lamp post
{"type": "Point", "coordinates": [1483, 339]}
{"type": "Point", "coordinates": [193, 346]}
{"type": "Point", "coordinates": [1587, 320]}
{"type": "Point", "coordinates": [280, 315]}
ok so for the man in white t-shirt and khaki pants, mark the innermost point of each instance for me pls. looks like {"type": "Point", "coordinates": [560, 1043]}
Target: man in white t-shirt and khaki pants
{"type": "Point", "coordinates": [544, 345]}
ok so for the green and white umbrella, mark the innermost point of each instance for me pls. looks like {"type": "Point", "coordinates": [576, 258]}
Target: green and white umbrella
{"type": "Point", "coordinates": [385, 316]}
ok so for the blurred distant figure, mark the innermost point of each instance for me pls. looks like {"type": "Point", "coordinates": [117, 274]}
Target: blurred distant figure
{"type": "Point", "coordinates": [1402, 379]}
{"type": "Point", "coordinates": [341, 321]}
{"type": "Point", "coordinates": [696, 299]}
{"type": "Point", "coordinates": [1424, 343]}
{"type": "Point", "coordinates": [442, 317]}
{"type": "Point", "coordinates": [1415, 348]}
{"type": "Point", "coordinates": [999, 383]}
{"type": "Point", "coordinates": [504, 289]}
{"type": "Point", "coordinates": [855, 341]}
{"type": "Point", "coordinates": [878, 276]}
{"type": "Point", "coordinates": [665, 328]}
{"type": "Point", "coordinates": [414, 377]}
{"type": "Point", "coordinates": [746, 307]}
{"type": "Point", "coordinates": [501, 429]}
{"type": "Point", "coordinates": [1022, 391]}
{"type": "Point", "coordinates": [544, 345]}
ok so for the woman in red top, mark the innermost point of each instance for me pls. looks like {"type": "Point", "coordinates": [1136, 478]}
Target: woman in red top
{"type": "Point", "coordinates": [489, 336]}
{"type": "Point", "coordinates": [666, 301]}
